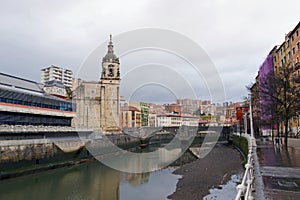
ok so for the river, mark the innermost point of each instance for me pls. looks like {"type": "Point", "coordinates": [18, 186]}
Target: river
{"type": "Point", "coordinates": [90, 181]}
{"type": "Point", "coordinates": [94, 180]}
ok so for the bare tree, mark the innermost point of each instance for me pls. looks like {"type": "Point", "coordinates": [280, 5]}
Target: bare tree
{"type": "Point", "coordinates": [281, 95]}
{"type": "Point", "coordinates": [256, 109]}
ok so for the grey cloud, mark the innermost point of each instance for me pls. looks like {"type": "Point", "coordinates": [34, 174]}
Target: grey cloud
{"type": "Point", "coordinates": [237, 35]}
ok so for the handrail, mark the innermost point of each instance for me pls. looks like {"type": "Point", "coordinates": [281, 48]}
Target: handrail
{"type": "Point", "coordinates": [246, 187]}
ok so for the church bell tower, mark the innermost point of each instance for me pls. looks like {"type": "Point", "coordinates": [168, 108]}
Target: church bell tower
{"type": "Point", "coordinates": [110, 91]}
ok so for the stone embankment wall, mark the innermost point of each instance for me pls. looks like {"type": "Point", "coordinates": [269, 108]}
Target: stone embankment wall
{"type": "Point", "coordinates": [17, 150]}
{"type": "Point", "coordinates": [20, 153]}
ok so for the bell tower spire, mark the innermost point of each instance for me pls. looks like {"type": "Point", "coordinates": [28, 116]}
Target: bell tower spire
{"type": "Point", "coordinates": [110, 63]}
{"type": "Point", "coordinates": [109, 90]}
{"type": "Point", "coordinates": [110, 56]}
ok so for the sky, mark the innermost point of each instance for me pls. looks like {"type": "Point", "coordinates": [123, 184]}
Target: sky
{"type": "Point", "coordinates": [237, 35]}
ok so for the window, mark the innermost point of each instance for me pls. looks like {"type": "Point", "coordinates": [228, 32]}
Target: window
{"type": "Point", "coordinates": [298, 46]}
{"type": "Point", "coordinates": [292, 37]}
{"type": "Point", "coordinates": [297, 33]}
{"type": "Point", "coordinates": [110, 72]}
{"type": "Point", "coordinates": [293, 51]}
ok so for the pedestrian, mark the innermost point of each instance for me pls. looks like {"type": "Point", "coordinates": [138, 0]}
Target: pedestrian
{"type": "Point", "coordinates": [277, 142]}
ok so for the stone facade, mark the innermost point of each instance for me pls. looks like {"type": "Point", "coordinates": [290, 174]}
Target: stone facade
{"type": "Point", "coordinates": [98, 103]}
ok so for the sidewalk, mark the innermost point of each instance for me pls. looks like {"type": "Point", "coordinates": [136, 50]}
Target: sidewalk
{"type": "Point", "coordinates": [280, 169]}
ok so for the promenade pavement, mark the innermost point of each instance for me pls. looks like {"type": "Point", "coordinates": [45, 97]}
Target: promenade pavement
{"type": "Point", "coordinates": [279, 168]}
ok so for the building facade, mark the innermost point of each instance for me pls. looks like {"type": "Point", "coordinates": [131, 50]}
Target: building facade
{"type": "Point", "coordinates": [283, 62]}
{"type": "Point", "coordinates": [98, 103]}
{"type": "Point", "coordinates": [24, 102]}
{"type": "Point", "coordinates": [58, 74]}
{"type": "Point", "coordinates": [131, 117]}
{"type": "Point", "coordinates": [55, 88]}
{"type": "Point", "coordinates": [110, 91]}
{"type": "Point", "coordinates": [266, 74]}
{"type": "Point", "coordinates": [143, 109]}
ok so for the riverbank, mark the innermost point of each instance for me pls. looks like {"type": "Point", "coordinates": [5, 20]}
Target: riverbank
{"type": "Point", "coordinates": [210, 172]}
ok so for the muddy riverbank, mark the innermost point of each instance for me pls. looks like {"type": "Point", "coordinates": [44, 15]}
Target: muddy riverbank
{"type": "Point", "coordinates": [206, 173]}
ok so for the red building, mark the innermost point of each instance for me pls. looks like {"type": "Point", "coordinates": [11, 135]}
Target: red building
{"type": "Point", "coordinates": [240, 113]}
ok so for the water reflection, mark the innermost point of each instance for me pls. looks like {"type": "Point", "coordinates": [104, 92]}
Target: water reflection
{"type": "Point", "coordinates": [96, 181]}
{"type": "Point", "coordinates": [271, 155]}
{"type": "Point", "coordinates": [87, 181]}
{"type": "Point", "coordinates": [90, 181]}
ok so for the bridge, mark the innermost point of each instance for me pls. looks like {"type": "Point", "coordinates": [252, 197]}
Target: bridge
{"type": "Point", "coordinates": [148, 132]}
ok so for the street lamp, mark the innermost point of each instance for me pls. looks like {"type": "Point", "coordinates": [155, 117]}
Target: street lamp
{"type": "Point", "coordinates": [251, 119]}
{"type": "Point", "coordinates": [297, 114]}
{"type": "Point", "coordinates": [245, 121]}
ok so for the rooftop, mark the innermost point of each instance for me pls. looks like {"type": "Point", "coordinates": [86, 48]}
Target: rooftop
{"type": "Point", "coordinates": [20, 83]}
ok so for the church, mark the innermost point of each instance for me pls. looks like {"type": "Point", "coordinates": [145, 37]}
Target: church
{"type": "Point", "coordinates": [98, 102]}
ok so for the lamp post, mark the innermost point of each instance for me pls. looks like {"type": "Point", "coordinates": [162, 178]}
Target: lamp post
{"type": "Point", "coordinates": [245, 122]}
{"type": "Point", "coordinates": [297, 133]}
{"type": "Point", "coordinates": [251, 120]}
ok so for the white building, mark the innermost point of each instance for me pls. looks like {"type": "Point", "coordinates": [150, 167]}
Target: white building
{"type": "Point", "coordinates": [57, 73]}
{"type": "Point", "coordinates": [190, 121]}
{"type": "Point", "coordinates": [172, 120]}
{"type": "Point", "coordinates": [55, 88]}
{"type": "Point", "coordinates": [168, 120]}
{"type": "Point", "coordinates": [152, 120]}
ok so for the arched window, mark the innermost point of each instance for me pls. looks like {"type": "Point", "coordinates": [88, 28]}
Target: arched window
{"type": "Point", "coordinates": [110, 72]}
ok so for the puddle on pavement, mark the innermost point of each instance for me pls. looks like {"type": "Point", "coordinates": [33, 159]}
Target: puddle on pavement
{"type": "Point", "coordinates": [280, 183]}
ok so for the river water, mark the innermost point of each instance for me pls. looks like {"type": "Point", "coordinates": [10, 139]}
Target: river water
{"type": "Point", "coordinates": [95, 181]}
{"type": "Point", "coordinates": [90, 181]}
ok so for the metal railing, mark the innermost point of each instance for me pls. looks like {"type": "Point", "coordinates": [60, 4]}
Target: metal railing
{"type": "Point", "coordinates": [245, 189]}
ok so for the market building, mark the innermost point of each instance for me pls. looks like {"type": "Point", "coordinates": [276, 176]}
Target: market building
{"type": "Point", "coordinates": [24, 102]}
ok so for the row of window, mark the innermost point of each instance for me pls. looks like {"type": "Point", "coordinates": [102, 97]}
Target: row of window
{"type": "Point", "coordinates": [61, 106]}
{"type": "Point", "coordinates": [297, 34]}
{"type": "Point", "coordinates": [36, 120]}
{"type": "Point", "coordinates": [293, 50]}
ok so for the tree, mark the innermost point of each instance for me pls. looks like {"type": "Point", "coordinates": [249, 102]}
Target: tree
{"type": "Point", "coordinates": [256, 109]}
{"type": "Point", "coordinates": [69, 93]}
{"type": "Point", "coordinates": [281, 92]}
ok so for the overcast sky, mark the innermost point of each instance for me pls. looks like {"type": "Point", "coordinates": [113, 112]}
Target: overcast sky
{"type": "Point", "coordinates": [236, 34]}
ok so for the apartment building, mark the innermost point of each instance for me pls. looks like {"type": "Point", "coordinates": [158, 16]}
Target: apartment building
{"type": "Point", "coordinates": [58, 74]}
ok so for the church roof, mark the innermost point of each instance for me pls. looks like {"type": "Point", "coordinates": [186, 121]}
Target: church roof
{"type": "Point", "coordinates": [110, 56]}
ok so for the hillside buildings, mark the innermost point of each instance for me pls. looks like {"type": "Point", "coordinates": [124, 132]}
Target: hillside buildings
{"type": "Point", "coordinates": [172, 115]}
{"type": "Point", "coordinates": [97, 104]}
